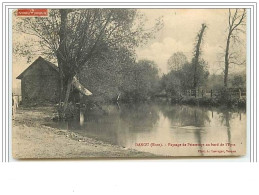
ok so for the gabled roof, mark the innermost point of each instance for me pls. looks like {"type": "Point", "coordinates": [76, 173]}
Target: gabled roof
{"type": "Point", "coordinates": [75, 81]}
{"type": "Point", "coordinates": [34, 63]}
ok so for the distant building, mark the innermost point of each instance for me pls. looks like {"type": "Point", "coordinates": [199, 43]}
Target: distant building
{"type": "Point", "coordinates": [40, 83]}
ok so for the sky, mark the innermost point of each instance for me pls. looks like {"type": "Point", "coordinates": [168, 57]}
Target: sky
{"type": "Point", "coordinates": [177, 35]}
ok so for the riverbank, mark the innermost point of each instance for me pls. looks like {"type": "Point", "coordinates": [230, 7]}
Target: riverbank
{"type": "Point", "coordinates": [210, 102]}
{"type": "Point", "coordinates": [32, 139]}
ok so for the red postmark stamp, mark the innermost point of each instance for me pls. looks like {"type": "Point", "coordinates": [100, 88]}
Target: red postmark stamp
{"type": "Point", "coordinates": [32, 12]}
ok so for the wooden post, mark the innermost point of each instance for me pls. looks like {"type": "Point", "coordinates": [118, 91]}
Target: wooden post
{"type": "Point", "coordinates": [211, 93]}
{"type": "Point", "coordinates": [81, 117]}
{"type": "Point", "coordinates": [81, 110]}
{"type": "Point", "coordinates": [240, 94]}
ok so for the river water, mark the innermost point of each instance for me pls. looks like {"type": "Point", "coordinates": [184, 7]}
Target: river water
{"type": "Point", "coordinates": [167, 130]}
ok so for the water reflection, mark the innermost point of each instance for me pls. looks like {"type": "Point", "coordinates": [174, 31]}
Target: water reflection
{"type": "Point", "coordinates": [139, 117]}
{"type": "Point", "coordinates": [186, 115]}
{"type": "Point", "coordinates": [129, 124]}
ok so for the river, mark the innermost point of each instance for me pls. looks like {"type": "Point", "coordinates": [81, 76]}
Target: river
{"type": "Point", "coordinates": [166, 130]}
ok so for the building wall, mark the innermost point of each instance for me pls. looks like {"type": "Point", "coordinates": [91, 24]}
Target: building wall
{"type": "Point", "coordinates": [40, 84]}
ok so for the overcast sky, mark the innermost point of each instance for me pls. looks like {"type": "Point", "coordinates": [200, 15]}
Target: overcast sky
{"type": "Point", "coordinates": [178, 35]}
{"type": "Point", "coordinates": [180, 30]}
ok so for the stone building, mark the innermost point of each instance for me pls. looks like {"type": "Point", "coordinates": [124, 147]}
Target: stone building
{"type": "Point", "coordinates": [40, 83]}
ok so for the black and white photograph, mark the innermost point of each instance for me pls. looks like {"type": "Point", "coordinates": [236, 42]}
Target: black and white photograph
{"type": "Point", "coordinates": [129, 97]}
{"type": "Point", "coordinates": [129, 83]}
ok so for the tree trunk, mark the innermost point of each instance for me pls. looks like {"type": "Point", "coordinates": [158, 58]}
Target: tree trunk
{"type": "Point", "coordinates": [227, 62]}
{"type": "Point", "coordinates": [61, 87]}
{"type": "Point", "coordinates": [65, 80]}
{"type": "Point", "coordinates": [234, 22]}
{"type": "Point", "coordinates": [68, 90]}
{"type": "Point", "coordinates": [197, 54]}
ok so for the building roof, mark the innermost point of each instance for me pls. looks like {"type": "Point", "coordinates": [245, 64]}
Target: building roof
{"type": "Point", "coordinates": [34, 63]}
{"type": "Point", "coordinates": [75, 81]}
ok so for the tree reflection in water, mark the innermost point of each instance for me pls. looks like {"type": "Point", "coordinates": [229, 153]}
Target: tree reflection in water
{"type": "Point", "coordinates": [117, 124]}
{"type": "Point", "coordinates": [140, 117]}
{"type": "Point", "coordinates": [186, 115]}
{"type": "Point", "coordinates": [127, 124]}
{"type": "Point", "coordinates": [226, 116]}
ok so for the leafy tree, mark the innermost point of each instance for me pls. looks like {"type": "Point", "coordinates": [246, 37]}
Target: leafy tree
{"type": "Point", "coordinates": [184, 75]}
{"type": "Point", "coordinates": [140, 80]}
{"type": "Point", "coordinates": [171, 83]}
{"type": "Point", "coordinates": [215, 82]}
{"type": "Point", "coordinates": [104, 75]}
{"type": "Point", "coordinates": [75, 36]}
{"type": "Point", "coordinates": [176, 82]}
{"type": "Point", "coordinates": [176, 61]}
{"type": "Point", "coordinates": [238, 81]}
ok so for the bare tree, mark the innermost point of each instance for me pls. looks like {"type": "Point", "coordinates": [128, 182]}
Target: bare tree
{"type": "Point", "coordinates": [197, 53]}
{"type": "Point", "coordinates": [236, 21]}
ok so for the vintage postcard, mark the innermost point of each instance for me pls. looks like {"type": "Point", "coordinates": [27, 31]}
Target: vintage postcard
{"type": "Point", "coordinates": [130, 83]}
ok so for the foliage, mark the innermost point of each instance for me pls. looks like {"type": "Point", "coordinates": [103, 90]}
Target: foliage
{"type": "Point", "coordinates": [176, 82]}
{"type": "Point", "coordinates": [215, 82]}
{"type": "Point", "coordinates": [236, 80]}
{"type": "Point", "coordinates": [83, 40]}
{"type": "Point", "coordinates": [71, 112]}
{"type": "Point", "coordinates": [171, 83]}
{"type": "Point", "coordinates": [120, 78]}
{"type": "Point", "coordinates": [140, 80]}
{"type": "Point", "coordinates": [239, 81]}
{"type": "Point", "coordinates": [103, 76]}
{"type": "Point", "coordinates": [176, 61]}
{"type": "Point", "coordinates": [196, 56]}
{"type": "Point", "coordinates": [184, 75]}
{"type": "Point", "coordinates": [87, 33]}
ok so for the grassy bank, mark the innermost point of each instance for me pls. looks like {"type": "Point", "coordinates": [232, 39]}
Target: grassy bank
{"type": "Point", "coordinates": [207, 101]}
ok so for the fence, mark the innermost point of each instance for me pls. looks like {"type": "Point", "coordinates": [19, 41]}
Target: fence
{"type": "Point", "coordinates": [234, 92]}
{"type": "Point", "coordinates": [16, 100]}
